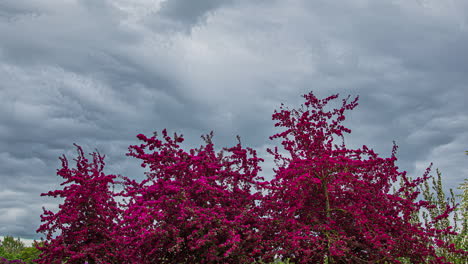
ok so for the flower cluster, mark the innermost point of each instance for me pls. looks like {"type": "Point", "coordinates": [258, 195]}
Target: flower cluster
{"type": "Point", "coordinates": [325, 202]}
{"type": "Point", "coordinates": [82, 228]}
{"type": "Point", "coordinates": [6, 261]}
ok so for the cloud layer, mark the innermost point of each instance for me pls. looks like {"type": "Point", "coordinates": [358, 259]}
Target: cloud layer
{"type": "Point", "coordinates": [96, 73]}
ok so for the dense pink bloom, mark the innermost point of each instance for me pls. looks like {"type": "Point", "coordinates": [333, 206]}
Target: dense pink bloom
{"type": "Point", "coordinates": [81, 229]}
{"type": "Point", "coordinates": [330, 201]}
{"type": "Point", "coordinates": [200, 206]}
{"type": "Point", "coordinates": [194, 207]}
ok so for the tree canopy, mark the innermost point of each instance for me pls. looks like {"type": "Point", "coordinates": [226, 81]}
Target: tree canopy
{"type": "Point", "coordinates": [326, 203]}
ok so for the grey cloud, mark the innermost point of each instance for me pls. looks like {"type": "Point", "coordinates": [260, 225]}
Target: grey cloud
{"type": "Point", "coordinates": [11, 10]}
{"type": "Point", "coordinates": [44, 39]}
{"type": "Point", "coordinates": [188, 14]}
{"type": "Point", "coordinates": [96, 74]}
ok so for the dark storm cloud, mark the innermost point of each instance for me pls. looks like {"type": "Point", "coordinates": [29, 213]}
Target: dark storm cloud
{"type": "Point", "coordinates": [97, 73]}
{"type": "Point", "coordinates": [407, 63]}
{"type": "Point", "coordinates": [189, 13]}
{"type": "Point", "coordinates": [182, 16]}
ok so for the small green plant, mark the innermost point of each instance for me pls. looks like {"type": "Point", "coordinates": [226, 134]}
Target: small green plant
{"type": "Point", "coordinates": [11, 248]}
{"type": "Point", "coordinates": [15, 251]}
{"type": "Point", "coordinates": [29, 254]}
{"type": "Point", "coordinates": [277, 261]}
{"type": "Point", "coordinates": [434, 194]}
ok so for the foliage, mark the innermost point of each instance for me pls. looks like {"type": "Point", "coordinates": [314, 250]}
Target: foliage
{"type": "Point", "coordinates": [29, 255]}
{"type": "Point", "coordinates": [276, 261]}
{"type": "Point", "coordinates": [440, 203]}
{"type": "Point", "coordinates": [12, 246]}
{"type": "Point", "coordinates": [325, 204]}
{"type": "Point", "coordinates": [8, 261]}
{"type": "Point", "coordinates": [15, 251]}
{"type": "Point", "coordinates": [194, 207]}
{"type": "Point", "coordinates": [435, 195]}
{"type": "Point", "coordinates": [462, 240]}
{"type": "Point", "coordinates": [85, 220]}
{"type": "Point", "coordinates": [334, 204]}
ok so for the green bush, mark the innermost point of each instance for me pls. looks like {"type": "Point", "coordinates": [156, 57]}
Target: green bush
{"type": "Point", "coordinates": [14, 249]}
{"type": "Point", "coordinates": [28, 254]}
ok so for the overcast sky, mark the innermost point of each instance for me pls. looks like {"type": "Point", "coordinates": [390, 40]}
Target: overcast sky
{"type": "Point", "coordinates": [97, 73]}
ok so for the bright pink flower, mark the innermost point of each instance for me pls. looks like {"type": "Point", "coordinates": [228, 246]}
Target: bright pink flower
{"type": "Point", "coordinates": [202, 206]}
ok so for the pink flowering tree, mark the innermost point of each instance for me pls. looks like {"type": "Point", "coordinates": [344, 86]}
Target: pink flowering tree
{"type": "Point", "coordinates": [81, 229]}
{"type": "Point", "coordinates": [331, 204]}
{"type": "Point", "coordinates": [194, 207]}
{"type": "Point", "coordinates": [325, 204]}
